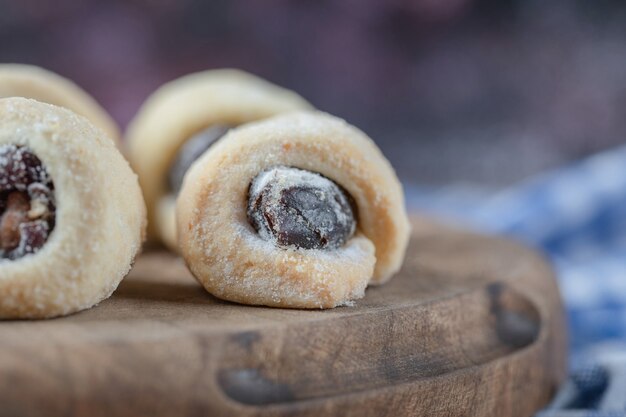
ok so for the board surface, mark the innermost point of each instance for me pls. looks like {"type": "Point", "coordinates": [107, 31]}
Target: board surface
{"type": "Point", "coordinates": [471, 326]}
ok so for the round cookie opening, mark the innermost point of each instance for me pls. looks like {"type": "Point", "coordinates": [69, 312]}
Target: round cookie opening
{"type": "Point", "coordinates": [292, 207]}
{"type": "Point", "coordinates": [191, 150]}
{"type": "Point", "coordinates": [27, 203]}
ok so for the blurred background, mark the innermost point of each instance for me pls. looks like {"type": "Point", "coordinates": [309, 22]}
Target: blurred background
{"type": "Point", "coordinates": [481, 105]}
{"type": "Point", "coordinates": [478, 91]}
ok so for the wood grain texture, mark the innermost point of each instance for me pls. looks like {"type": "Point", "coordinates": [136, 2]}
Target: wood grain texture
{"type": "Point", "coordinates": [472, 326]}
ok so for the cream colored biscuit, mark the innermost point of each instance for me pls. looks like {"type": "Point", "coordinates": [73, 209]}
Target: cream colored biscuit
{"type": "Point", "coordinates": [100, 214]}
{"type": "Point", "coordinates": [182, 108]}
{"type": "Point", "coordinates": [19, 80]}
{"type": "Point", "coordinates": [234, 263]}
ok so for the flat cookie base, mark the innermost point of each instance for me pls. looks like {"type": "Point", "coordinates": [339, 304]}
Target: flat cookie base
{"type": "Point", "coordinates": [471, 326]}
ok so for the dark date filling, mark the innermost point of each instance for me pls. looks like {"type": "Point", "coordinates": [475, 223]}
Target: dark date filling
{"type": "Point", "coordinates": [297, 208]}
{"type": "Point", "coordinates": [191, 150]}
{"type": "Point", "coordinates": [27, 206]}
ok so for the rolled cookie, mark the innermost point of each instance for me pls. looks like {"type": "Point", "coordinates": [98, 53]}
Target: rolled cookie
{"type": "Point", "coordinates": [237, 259]}
{"type": "Point", "coordinates": [198, 106]}
{"type": "Point", "coordinates": [72, 217]}
{"type": "Point", "coordinates": [18, 80]}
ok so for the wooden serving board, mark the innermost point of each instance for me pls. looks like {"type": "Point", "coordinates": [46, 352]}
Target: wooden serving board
{"type": "Point", "coordinates": [472, 326]}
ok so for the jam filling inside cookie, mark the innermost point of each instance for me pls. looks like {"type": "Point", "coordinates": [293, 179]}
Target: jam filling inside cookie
{"type": "Point", "coordinates": [27, 206]}
{"type": "Point", "coordinates": [296, 208]}
{"type": "Point", "coordinates": [191, 150]}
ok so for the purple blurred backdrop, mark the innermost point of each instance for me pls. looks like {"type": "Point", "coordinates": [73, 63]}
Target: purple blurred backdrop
{"type": "Point", "coordinates": [453, 90]}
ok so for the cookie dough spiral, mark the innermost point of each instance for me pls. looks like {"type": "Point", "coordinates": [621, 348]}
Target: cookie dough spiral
{"type": "Point", "coordinates": [234, 262]}
{"type": "Point", "coordinates": [183, 108]}
{"type": "Point", "coordinates": [99, 213]}
{"type": "Point", "coordinates": [19, 80]}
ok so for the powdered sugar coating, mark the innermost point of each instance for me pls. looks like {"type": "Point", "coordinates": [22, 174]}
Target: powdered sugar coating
{"type": "Point", "coordinates": [233, 262]}
{"type": "Point", "coordinates": [296, 208]}
{"type": "Point", "coordinates": [19, 167]}
{"type": "Point", "coordinates": [180, 109]}
{"type": "Point", "coordinates": [100, 215]}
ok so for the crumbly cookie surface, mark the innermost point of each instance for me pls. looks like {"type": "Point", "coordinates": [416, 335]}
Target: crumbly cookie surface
{"type": "Point", "coordinates": [181, 109]}
{"type": "Point", "coordinates": [233, 262]}
{"type": "Point", "coordinates": [28, 81]}
{"type": "Point", "coordinates": [99, 217]}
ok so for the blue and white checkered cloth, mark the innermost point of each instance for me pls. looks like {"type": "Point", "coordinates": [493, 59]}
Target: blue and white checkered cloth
{"type": "Point", "coordinates": [578, 216]}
